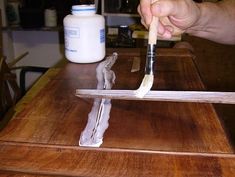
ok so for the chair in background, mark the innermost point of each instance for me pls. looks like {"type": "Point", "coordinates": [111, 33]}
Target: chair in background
{"type": "Point", "coordinates": [10, 90]}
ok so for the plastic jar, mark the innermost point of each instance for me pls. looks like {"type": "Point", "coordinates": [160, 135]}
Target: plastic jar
{"type": "Point", "coordinates": [84, 33]}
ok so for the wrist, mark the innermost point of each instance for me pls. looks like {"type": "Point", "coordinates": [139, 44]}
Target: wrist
{"type": "Point", "coordinates": [198, 23]}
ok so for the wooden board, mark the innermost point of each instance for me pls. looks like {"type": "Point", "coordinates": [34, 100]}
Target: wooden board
{"type": "Point", "coordinates": [162, 95]}
{"type": "Point", "coordinates": [56, 117]}
{"type": "Point", "coordinates": [29, 159]}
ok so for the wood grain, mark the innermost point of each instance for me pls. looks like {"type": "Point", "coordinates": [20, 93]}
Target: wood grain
{"type": "Point", "coordinates": [55, 117]}
{"type": "Point", "coordinates": [75, 161]}
{"type": "Point", "coordinates": [170, 96]}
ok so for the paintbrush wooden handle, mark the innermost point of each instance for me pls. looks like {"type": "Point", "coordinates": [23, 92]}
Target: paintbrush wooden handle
{"type": "Point", "coordinates": [152, 38]}
{"type": "Point", "coordinates": [170, 96]}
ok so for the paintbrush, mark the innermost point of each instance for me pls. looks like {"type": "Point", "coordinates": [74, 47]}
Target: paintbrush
{"type": "Point", "coordinates": [148, 79]}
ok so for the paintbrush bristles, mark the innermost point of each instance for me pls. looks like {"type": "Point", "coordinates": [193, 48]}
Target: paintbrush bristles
{"type": "Point", "coordinates": [145, 86]}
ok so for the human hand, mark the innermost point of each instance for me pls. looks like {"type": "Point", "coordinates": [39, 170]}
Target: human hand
{"type": "Point", "coordinates": [175, 16]}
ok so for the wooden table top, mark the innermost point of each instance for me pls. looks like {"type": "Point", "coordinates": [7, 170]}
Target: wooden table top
{"type": "Point", "coordinates": [143, 138]}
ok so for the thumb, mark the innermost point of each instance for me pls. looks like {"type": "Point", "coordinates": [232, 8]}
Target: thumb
{"type": "Point", "coordinates": [163, 8]}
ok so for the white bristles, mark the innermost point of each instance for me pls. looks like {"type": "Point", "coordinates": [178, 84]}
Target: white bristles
{"type": "Point", "coordinates": [145, 86]}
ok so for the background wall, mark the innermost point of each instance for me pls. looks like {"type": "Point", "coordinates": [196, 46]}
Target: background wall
{"type": "Point", "coordinates": [44, 47]}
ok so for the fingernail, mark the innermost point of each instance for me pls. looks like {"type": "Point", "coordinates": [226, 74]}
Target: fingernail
{"type": "Point", "coordinates": [146, 19]}
{"type": "Point", "coordinates": [156, 9]}
{"type": "Point", "coordinates": [170, 29]}
{"type": "Point", "coordinates": [167, 34]}
{"type": "Point", "coordinates": [143, 23]}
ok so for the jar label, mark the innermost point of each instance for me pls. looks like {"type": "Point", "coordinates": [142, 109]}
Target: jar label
{"type": "Point", "coordinates": [102, 36]}
{"type": "Point", "coordinates": [71, 36]}
{"type": "Point", "coordinates": [72, 32]}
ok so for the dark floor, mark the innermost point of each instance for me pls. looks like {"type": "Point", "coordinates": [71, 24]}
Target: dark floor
{"type": "Point", "coordinates": [216, 65]}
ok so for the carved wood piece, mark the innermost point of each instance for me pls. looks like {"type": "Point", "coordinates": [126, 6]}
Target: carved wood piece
{"type": "Point", "coordinates": [171, 96]}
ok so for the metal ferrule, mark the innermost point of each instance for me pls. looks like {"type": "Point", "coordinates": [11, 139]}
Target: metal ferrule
{"type": "Point", "coordinates": [150, 59]}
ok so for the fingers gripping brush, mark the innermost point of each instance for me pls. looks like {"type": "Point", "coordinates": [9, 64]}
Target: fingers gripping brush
{"type": "Point", "coordinates": [148, 79]}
